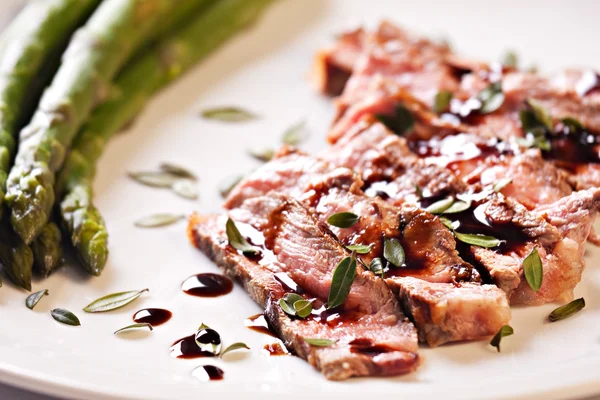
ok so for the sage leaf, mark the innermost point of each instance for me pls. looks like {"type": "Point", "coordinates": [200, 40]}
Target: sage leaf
{"type": "Point", "coordinates": [491, 98]}
{"type": "Point", "coordinates": [113, 301]}
{"type": "Point", "coordinates": [288, 301]}
{"type": "Point", "coordinates": [235, 346]}
{"type": "Point", "coordinates": [65, 317]}
{"type": "Point", "coordinates": [534, 272]}
{"type": "Point", "coordinates": [237, 240]}
{"type": "Point", "coordinates": [441, 102]}
{"type": "Point", "coordinates": [541, 113]}
{"type": "Point", "coordinates": [35, 298]}
{"type": "Point", "coordinates": [359, 248]}
{"type": "Point", "coordinates": [228, 114]}
{"type": "Point", "coordinates": [393, 252]}
{"type": "Point", "coordinates": [501, 184]}
{"type": "Point", "coordinates": [185, 188]}
{"type": "Point", "coordinates": [440, 206]}
{"type": "Point", "coordinates": [264, 154]}
{"type": "Point", "coordinates": [457, 207]}
{"type": "Point", "coordinates": [227, 185]}
{"type": "Point", "coordinates": [158, 220]}
{"type": "Point", "coordinates": [401, 122]}
{"type": "Point", "coordinates": [505, 331]}
{"type": "Point", "coordinates": [478, 240]}
{"type": "Point", "coordinates": [303, 308]}
{"type": "Point", "coordinates": [154, 179]}
{"type": "Point", "coordinates": [448, 223]}
{"type": "Point", "coordinates": [134, 327]}
{"type": "Point", "coordinates": [177, 171]}
{"type": "Point", "coordinates": [295, 134]}
{"type": "Point", "coordinates": [343, 219]}
{"type": "Point", "coordinates": [376, 266]}
{"type": "Point", "coordinates": [289, 310]}
{"type": "Point", "coordinates": [510, 59]}
{"type": "Point", "coordinates": [567, 310]}
{"type": "Point", "coordinates": [317, 342]}
{"type": "Point", "coordinates": [341, 282]}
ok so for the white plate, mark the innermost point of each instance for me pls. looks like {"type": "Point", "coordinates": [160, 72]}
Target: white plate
{"type": "Point", "coordinates": [266, 71]}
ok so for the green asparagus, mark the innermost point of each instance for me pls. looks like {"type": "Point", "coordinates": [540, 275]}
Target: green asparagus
{"type": "Point", "coordinates": [134, 86]}
{"type": "Point", "coordinates": [14, 254]}
{"type": "Point", "coordinates": [47, 251]}
{"type": "Point", "coordinates": [116, 30]}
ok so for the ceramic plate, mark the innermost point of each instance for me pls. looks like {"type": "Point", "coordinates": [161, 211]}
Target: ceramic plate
{"type": "Point", "coordinates": [266, 71]}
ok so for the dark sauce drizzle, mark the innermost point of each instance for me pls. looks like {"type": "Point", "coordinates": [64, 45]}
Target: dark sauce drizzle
{"type": "Point", "coordinates": [259, 324]}
{"type": "Point", "coordinates": [207, 285]}
{"type": "Point", "coordinates": [207, 373]}
{"type": "Point", "coordinates": [366, 346]}
{"type": "Point", "coordinates": [152, 316]}
{"type": "Point", "coordinates": [186, 348]}
{"type": "Point", "coordinates": [275, 349]}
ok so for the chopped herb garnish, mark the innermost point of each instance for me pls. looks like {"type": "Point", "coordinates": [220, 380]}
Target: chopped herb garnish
{"type": "Point", "coordinates": [235, 346]}
{"type": "Point", "coordinates": [440, 206]}
{"type": "Point", "coordinates": [137, 326]}
{"type": "Point", "coordinates": [510, 59]}
{"type": "Point", "coordinates": [113, 301]}
{"type": "Point", "coordinates": [343, 219]}
{"type": "Point", "coordinates": [341, 282]}
{"type": "Point", "coordinates": [376, 266]}
{"type": "Point", "coordinates": [158, 179]}
{"type": "Point", "coordinates": [295, 134]}
{"type": "Point", "coordinates": [186, 188]}
{"type": "Point", "coordinates": [478, 240]}
{"type": "Point", "coordinates": [35, 298]}
{"type": "Point", "coordinates": [534, 272]}
{"type": "Point", "coordinates": [441, 102]}
{"type": "Point", "coordinates": [177, 171]}
{"type": "Point", "coordinates": [457, 207]}
{"type": "Point", "coordinates": [287, 303]}
{"type": "Point", "coordinates": [491, 98]}
{"type": "Point", "coordinates": [65, 317]}
{"type": "Point", "coordinates": [303, 308]}
{"type": "Point", "coordinates": [448, 223]}
{"type": "Point", "coordinates": [262, 154]}
{"type": "Point", "coordinates": [419, 191]}
{"type": "Point", "coordinates": [228, 114]}
{"type": "Point", "coordinates": [237, 240]}
{"type": "Point", "coordinates": [393, 252]}
{"type": "Point", "coordinates": [158, 220]}
{"type": "Point", "coordinates": [400, 123]}
{"type": "Point", "coordinates": [541, 114]}
{"type": "Point", "coordinates": [359, 248]}
{"type": "Point", "coordinates": [567, 310]}
{"type": "Point", "coordinates": [317, 342]}
{"type": "Point", "coordinates": [505, 331]}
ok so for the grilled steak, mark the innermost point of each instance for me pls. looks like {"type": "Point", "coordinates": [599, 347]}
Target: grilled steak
{"type": "Point", "coordinates": [430, 247]}
{"type": "Point", "coordinates": [373, 337]}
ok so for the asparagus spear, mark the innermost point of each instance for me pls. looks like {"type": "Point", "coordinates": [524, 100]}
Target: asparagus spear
{"type": "Point", "coordinates": [114, 32]}
{"type": "Point", "coordinates": [47, 252]}
{"type": "Point", "coordinates": [14, 254]}
{"type": "Point", "coordinates": [134, 86]}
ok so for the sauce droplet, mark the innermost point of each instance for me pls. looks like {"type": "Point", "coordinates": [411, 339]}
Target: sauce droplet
{"type": "Point", "coordinates": [275, 349]}
{"type": "Point", "coordinates": [207, 373]}
{"type": "Point", "coordinates": [187, 348]}
{"type": "Point", "coordinates": [259, 323]}
{"type": "Point", "coordinates": [152, 316]}
{"type": "Point", "coordinates": [207, 285]}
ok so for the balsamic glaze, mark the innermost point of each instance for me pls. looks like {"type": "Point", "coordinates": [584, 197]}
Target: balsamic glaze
{"type": "Point", "coordinates": [152, 316]}
{"type": "Point", "coordinates": [366, 346]}
{"type": "Point", "coordinates": [207, 373]}
{"type": "Point", "coordinates": [187, 348]}
{"type": "Point", "coordinates": [275, 349]}
{"type": "Point", "coordinates": [209, 340]}
{"type": "Point", "coordinates": [574, 147]}
{"type": "Point", "coordinates": [207, 285]}
{"type": "Point", "coordinates": [259, 323]}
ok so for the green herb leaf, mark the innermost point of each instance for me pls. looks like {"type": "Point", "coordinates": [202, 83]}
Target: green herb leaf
{"type": "Point", "coordinates": [572, 124]}
{"type": "Point", "coordinates": [448, 223]}
{"type": "Point", "coordinates": [177, 171]}
{"type": "Point", "coordinates": [35, 298]}
{"type": "Point", "coordinates": [491, 98]}
{"type": "Point", "coordinates": [113, 301]}
{"type": "Point", "coordinates": [541, 114]}
{"type": "Point", "coordinates": [501, 184]}
{"type": "Point", "coordinates": [478, 240]}
{"type": "Point", "coordinates": [457, 207]}
{"type": "Point", "coordinates": [158, 220]}
{"type": "Point", "coordinates": [134, 327]}
{"type": "Point", "coordinates": [317, 342]}
{"type": "Point", "coordinates": [534, 272]}
{"type": "Point", "coordinates": [227, 185]}
{"type": "Point", "coordinates": [235, 346]}
{"type": "Point", "coordinates": [343, 219]}
{"type": "Point", "coordinates": [185, 188]}
{"type": "Point", "coordinates": [228, 114]}
{"type": "Point", "coordinates": [510, 59]}
{"type": "Point", "coordinates": [567, 310]}
{"type": "Point", "coordinates": [440, 206]}
{"type": "Point", "coordinates": [65, 317]}
{"type": "Point", "coordinates": [359, 248]}
{"type": "Point", "coordinates": [505, 331]}
{"type": "Point", "coordinates": [264, 154]}
{"type": "Point", "coordinates": [376, 266]}
{"type": "Point", "coordinates": [419, 191]}
{"type": "Point", "coordinates": [442, 101]}
{"type": "Point", "coordinates": [287, 308]}
{"type": "Point", "coordinates": [400, 123]}
{"type": "Point", "coordinates": [393, 252]}
{"type": "Point", "coordinates": [237, 240]}
{"type": "Point", "coordinates": [287, 303]}
{"type": "Point", "coordinates": [341, 282]}
{"type": "Point", "coordinates": [154, 179]}
{"type": "Point", "coordinates": [295, 134]}
{"type": "Point", "coordinates": [303, 308]}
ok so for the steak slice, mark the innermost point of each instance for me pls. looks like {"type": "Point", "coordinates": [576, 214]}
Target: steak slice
{"type": "Point", "coordinates": [430, 247]}
{"type": "Point", "coordinates": [373, 337]}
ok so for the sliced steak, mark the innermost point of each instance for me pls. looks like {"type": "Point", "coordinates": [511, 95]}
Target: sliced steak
{"type": "Point", "coordinates": [430, 247]}
{"type": "Point", "coordinates": [373, 337]}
